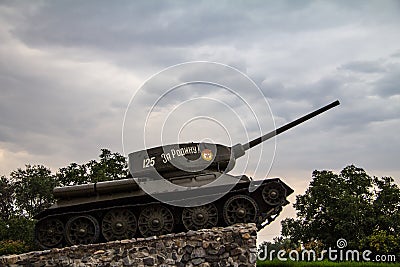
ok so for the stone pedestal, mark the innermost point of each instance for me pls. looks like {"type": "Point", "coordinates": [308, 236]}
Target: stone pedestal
{"type": "Point", "coordinates": [219, 246]}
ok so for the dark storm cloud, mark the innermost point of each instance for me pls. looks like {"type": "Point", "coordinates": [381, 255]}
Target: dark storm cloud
{"type": "Point", "coordinates": [364, 66]}
{"type": "Point", "coordinates": [388, 70]}
{"type": "Point", "coordinates": [323, 89]}
{"type": "Point", "coordinates": [389, 85]}
{"type": "Point", "coordinates": [47, 103]}
{"type": "Point", "coordinates": [126, 24]}
{"type": "Point", "coordinates": [396, 54]}
{"type": "Point", "coordinates": [355, 114]}
{"type": "Point", "coordinates": [129, 27]}
{"type": "Point", "coordinates": [34, 107]}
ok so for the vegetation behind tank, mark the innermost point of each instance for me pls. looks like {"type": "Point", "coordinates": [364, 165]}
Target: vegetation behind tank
{"type": "Point", "coordinates": [27, 191]}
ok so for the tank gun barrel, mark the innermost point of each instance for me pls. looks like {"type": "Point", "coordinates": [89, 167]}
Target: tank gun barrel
{"type": "Point", "coordinates": [240, 149]}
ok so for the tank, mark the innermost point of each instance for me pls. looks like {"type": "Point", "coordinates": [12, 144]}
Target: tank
{"type": "Point", "coordinates": [171, 188]}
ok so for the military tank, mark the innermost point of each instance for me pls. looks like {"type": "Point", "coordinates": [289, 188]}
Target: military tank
{"type": "Point", "coordinates": [171, 188]}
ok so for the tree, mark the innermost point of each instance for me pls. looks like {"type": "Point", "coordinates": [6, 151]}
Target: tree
{"type": "Point", "coordinates": [18, 228]}
{"type": "Point", "coordinates": [349, 205]}
{"type": "Point", "coordinates": [28, 191]}
{"type": "Point", "coordinates": [6, 198]}
{"type": "Point", "coordinates": [73, 174]}
{"type": "Point", "coordinates": [112, 166]}
{"type": "Point", "coordinates": [386, 206]}
{"type": "Point", "coordinates": [33, 189]}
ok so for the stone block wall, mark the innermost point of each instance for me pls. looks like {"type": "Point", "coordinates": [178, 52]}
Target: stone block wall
{"type": "Point", "coordinates": [219, 246]}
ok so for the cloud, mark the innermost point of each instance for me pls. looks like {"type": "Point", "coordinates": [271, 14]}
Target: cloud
{"type": "Point", "coordinates": [51, 105]}
{"type": "Point", "coordinates": [389, 85]}
{"type": "Point", "coordinates": [149, 32]}
{"type": "Point", "coordinates": [364, 66]}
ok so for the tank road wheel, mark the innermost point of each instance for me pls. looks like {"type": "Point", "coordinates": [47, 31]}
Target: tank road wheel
{"type": "Point", "coordinates": [49, 232]}
{"type": "Point", "coordinates": [196, 218]}
{"type": "Point", "coordinates": [83, 229]}
{"type": "Point", "coordinates": [119, 224]}
{"type": "Point", "coordinates": [274, 193]}
{"type": "Point", "coordinates": [240, 209]}
{"type": "Point", "coordinates": [156, 220]}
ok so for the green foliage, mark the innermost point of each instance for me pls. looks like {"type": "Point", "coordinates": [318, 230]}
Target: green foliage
{"type": "Point", "coordinates": [16, 233]}
{"type": "Point", "coordinates": [21, 228]}
{"type": "Point", "coordinates": [112, 166]}
{"type": "Point", "coordinates": [27, 192]}
{"type": "Point", "coordinates": [73, 174]}
{"type": "Point", "coordinates": [12, 247]}
{"type": "Point", "coordinates": [33, 189]}
{"type": "Point", "coordinates": [381, 242]}
{"type": "Point", "coordinates": [6, 198]}
{"type": "Point", "coordinates": [30, 190]}
{"type": "Point", "coordinates": [349, 205]}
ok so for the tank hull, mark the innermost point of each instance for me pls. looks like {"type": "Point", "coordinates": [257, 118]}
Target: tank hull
{"type": "Point", "coordinates": [117, 210]}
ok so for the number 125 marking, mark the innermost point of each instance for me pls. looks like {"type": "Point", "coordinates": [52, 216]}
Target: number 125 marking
{"type": "Point", "coordinates": [149, 162]}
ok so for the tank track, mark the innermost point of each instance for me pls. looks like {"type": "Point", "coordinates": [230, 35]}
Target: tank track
{"type": "Point", "coordinates": [88, 224]}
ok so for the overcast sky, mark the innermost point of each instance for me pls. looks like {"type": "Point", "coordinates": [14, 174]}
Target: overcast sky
{"type": "Point", "coordinates": [68, 70]}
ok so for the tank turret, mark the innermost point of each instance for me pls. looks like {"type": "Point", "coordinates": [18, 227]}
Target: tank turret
{"type": "Point", "coordinates": [191, 158]}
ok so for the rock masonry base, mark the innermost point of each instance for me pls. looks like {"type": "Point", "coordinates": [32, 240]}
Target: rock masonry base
{"type": "Point", "coordinates": [220, 246]}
